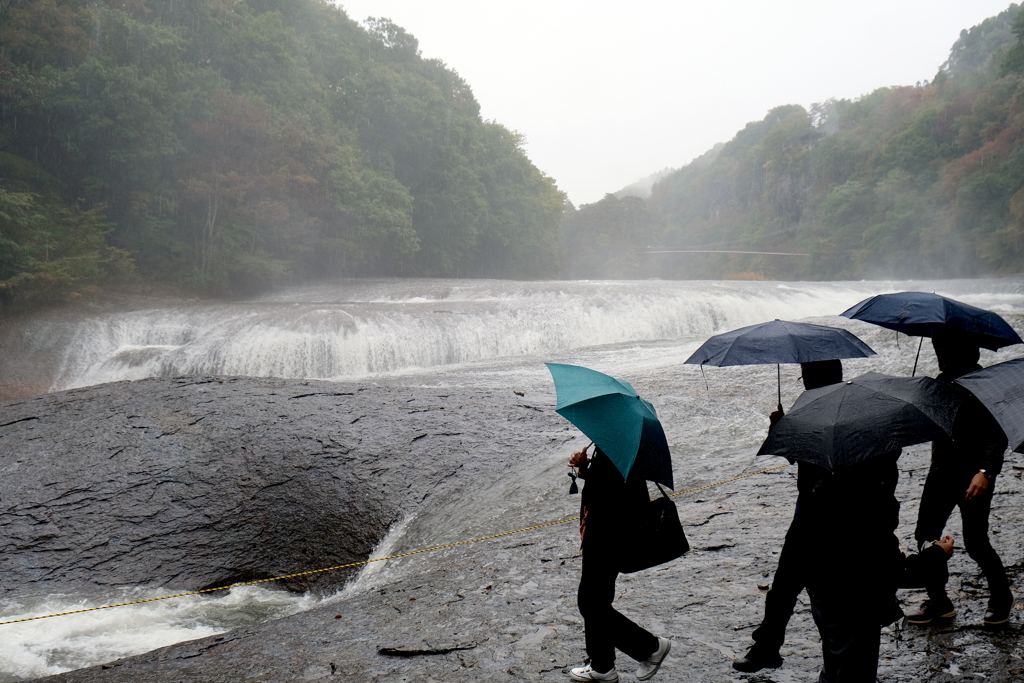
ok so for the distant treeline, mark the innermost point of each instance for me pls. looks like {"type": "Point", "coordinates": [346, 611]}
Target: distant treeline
{"type": "Point", "coordinates": [226, 146]}
{"type": "Point", "coordinates": [915, 181]}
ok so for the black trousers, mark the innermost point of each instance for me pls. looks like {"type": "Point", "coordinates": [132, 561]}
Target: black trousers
{"type": "Point", "coordinates": [943, 491]}
{"type": "Point", "coordinates": [790, 578]}
{"type": "Point", "coordinates": [604, 627]}
{"type": "Point", "coordinates": [850, 638]}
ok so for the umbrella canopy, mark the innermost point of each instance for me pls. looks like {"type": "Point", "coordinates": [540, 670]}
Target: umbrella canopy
{"type": "Point", "coordinates": [779, 341]}
{"type": "Point", "coordinates": [921, 314]}
{"type": "Point", "coordinates": [623, 425]}
{"type": "Point", "coordinates": [842, 424]}
{"type": "Point", "coordinates": [1000, 388]}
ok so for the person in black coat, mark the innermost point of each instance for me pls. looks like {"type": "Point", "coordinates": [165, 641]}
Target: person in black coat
{"type": "Point", "coordinates": [840, 546]}
{"type": "Point", "coordinates": [963, 474]}
{"type": "Point", "coordinates": [857, 565]}
{"type": "Point", "coordinates": [854, 570]}
{"type": "Point", "coordinates": [609, 509]}
{"type": "Point", "coordinates": [791, 575]}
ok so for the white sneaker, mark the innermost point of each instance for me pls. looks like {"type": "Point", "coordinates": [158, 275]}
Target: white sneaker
{"type": "Point", "coordinates": [650, 666]}
{"type": "Point", "coordinates": [586, 673]}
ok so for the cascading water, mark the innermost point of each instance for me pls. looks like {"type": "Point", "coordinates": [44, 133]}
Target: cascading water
{"type": "Point", "coordinates": [458, 333]}
{"type": "Point", "coordinates": [349, 331]}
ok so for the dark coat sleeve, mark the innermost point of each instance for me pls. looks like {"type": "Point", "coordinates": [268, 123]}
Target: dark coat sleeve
{"type": "Point", "coordinates": [978, 441]}
{"type": "Point", "coordinates": [926, 568]}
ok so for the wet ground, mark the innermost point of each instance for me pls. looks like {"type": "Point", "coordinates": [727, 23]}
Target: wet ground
{"type": "Point", "coordinates": [505, 608]}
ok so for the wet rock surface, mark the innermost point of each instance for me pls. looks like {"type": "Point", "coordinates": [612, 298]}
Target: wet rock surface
{"type": "Point", "coordinates": [497, 609]}
{"type": "Point", "coordinates": [198, 482]}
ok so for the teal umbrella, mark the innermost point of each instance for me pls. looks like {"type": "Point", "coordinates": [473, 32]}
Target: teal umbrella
{"type": "Point", "coordinates": [623, 425]}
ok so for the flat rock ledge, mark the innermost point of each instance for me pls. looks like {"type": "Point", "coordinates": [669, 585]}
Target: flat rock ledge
{"type": "Point", "coordinates": [130, 470]}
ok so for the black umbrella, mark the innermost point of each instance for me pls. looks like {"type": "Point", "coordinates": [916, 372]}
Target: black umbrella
{"type": "Point", "coordinates": [921, 314]}
{"type": "Point", "coordinates": [779, 341]}
{"type": "Point", "coordinates": [1000, 388]}
{"type": "Point", "coordinates": [842, 424]}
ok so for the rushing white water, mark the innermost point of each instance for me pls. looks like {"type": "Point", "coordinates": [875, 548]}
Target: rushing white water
{"type": "Point", "coordinates": [456, 333]}
{"type": "Point", "coordinates": [356, 330]}
{"type": "Point", "coordinates": [50, 646]}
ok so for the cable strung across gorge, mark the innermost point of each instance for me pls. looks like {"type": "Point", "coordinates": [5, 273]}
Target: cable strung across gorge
{"type": "Point", "coordinates": [361, 562]}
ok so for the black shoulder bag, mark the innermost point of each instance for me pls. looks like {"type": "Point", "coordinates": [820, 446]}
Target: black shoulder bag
{"type": "Point", "coordinates": [659, 538]}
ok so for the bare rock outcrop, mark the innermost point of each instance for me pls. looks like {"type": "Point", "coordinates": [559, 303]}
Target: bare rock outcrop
{"type": "Point", "coordinates": [198, 482]}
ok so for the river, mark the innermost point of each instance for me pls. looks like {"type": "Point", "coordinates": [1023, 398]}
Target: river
{"type": "Point", "coordinates": [458, 333]}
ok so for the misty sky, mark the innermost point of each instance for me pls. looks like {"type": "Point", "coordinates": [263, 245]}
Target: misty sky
{"type": "Point", "coordinates": [609, 92]}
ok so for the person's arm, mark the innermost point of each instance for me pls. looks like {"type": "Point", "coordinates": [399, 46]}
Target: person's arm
{"type": "Point", "coordinates": [927, 566]}
{"type": "Point", "coordinates": [987, 443]}
{"type": "Point", "coordinates": [580, 460]}
{"type": "Point", "coordinates": [990, 460]}
{"type": "Point", "coordinates": [946, 543]}
{"type": "Point", "coordinates": [978, 486]}
{"type": "Point", "coordinates": [992, 446]}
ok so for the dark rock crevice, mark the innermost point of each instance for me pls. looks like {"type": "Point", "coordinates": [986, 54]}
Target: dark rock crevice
{"type": "Point", "coordinates": [189, 503]}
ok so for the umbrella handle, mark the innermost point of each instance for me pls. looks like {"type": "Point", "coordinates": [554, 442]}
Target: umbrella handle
{"type": "Point", "coordinates": [914, 372]}
{"type": "Point", "coordinates": [778, 371]}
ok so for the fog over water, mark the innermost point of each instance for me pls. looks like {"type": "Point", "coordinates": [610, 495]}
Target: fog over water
{"type": "Point", "coordinates": [454, 333]}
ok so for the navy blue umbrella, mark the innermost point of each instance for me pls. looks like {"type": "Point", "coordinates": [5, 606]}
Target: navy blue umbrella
{"type": "Point", "coordinates": [921, 314]}
{"type": "Point", "coordinates": [779, 341]}
{"type": "Point", "coordinates": [1000, 388]}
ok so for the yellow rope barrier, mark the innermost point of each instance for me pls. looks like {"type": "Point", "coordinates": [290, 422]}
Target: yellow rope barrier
{"type": "Point", "coordinates": [362, 562]}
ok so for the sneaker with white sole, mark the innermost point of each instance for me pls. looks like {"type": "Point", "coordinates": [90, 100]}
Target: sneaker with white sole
{"type": "Point", "coordinates": [587, 673]}
{"type": "Point", "coordinates": [650, 666]}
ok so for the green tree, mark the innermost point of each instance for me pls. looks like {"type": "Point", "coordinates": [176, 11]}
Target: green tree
{"type": "Point", "coordinates": [1013, 59]}
{"type": "Point", "coordinates": [49, 251]}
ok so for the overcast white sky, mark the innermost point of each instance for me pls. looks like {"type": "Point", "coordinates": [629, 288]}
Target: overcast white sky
{"type": "Point", "coordinates": [607, 93]}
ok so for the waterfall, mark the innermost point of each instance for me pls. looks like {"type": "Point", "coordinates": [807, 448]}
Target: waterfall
{"type": "Point", "coordinates": [349, 331]}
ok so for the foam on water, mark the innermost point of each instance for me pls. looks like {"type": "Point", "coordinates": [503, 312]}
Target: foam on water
{"type": "Point", "coordinates": [49, 646]}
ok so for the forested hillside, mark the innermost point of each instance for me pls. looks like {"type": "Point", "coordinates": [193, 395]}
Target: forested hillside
{"type": "Point", "coordinates": [925, 180]}
{"type": "Point", "coordinates": [226, 146]}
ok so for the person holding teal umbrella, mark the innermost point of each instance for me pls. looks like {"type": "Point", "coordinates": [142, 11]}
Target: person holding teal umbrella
{"type": "Point", "coordinates": [630, 447]}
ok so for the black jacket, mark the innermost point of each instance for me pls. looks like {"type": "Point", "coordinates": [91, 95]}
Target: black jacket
{"type": "Point", "coordinates": [610, 507]}
{"type": "Point", "coordinates": [849, 518]}
{"type": "Point", "coordinates": [978, 441]}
